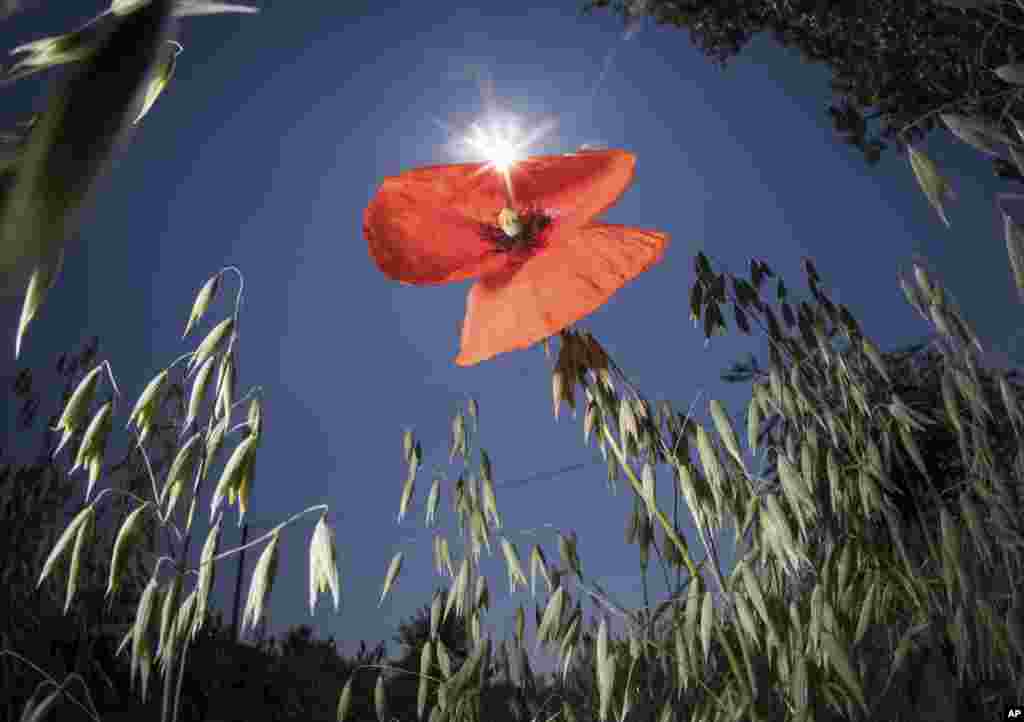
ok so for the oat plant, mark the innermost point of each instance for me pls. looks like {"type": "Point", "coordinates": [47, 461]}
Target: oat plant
{"type": "Point", "coordinates": [216, 453]}
{"type": "Point", "coordinates": [874, 499]}
{"type": "Point", "coordinates": [878, 551]}
{"type": "Point", "coordinates": [878, 547]}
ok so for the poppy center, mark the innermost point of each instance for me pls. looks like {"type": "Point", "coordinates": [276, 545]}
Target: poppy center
{"type": "Point", "coordinates": [516, 231]}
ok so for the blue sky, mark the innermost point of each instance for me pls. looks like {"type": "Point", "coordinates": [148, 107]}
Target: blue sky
{"type": "Point", "coordinates": [275, 133]}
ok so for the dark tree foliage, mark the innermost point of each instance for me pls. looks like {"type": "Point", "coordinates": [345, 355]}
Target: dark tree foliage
{"type": "Point", "coordinates": [899, 64]}
{"type": "Point", "coordinates": [415, 632]}
{"type": "Point", "coordinates": [37, 500]}
{"type": "Point", "coordinates": [304, 676]}
{"type": "Point", "coordinates": [501, 699]}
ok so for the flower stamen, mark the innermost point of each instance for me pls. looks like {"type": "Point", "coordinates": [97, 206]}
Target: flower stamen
{"type": "Point", "coordinates": [516, 231]}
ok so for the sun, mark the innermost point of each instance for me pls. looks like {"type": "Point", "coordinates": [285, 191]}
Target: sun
{"type": "Point", "coordinates": [498, 144]}
{"type": "Point", "coordinates": [502, 143]}
{"type": "Point", "coordinates": [499, 138]}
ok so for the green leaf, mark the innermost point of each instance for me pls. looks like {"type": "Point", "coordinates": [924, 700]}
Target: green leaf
{"type": "Point", "coordinates": [935, 187]}
{"type": "Point", "coordinates": [42, 280]}
{"type": "Point", "coordinates": [393, 569]}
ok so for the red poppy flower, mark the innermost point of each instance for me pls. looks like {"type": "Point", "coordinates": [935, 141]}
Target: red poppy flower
{"type": "Point", "coordinates": [542, 264]}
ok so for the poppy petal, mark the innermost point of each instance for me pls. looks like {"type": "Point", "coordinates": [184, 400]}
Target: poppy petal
{"type": "Point", "coordinates": [574, 189]}
{"type": "Point", "coordinates": [554, 289]}
{"type": "Point", "coordinates": [423, 226]}
{"type": "Point", "coordinates": [417, 233]}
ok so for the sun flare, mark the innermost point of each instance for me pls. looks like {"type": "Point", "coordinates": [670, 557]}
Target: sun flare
{"type": "Point", "coordinates": [497, 143]}
{"type": "Point", "coordinates": [502, 143]}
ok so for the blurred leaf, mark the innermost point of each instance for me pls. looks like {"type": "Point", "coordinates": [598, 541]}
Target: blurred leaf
{"type": "Point", "coordinates": [199, 7]}
{"type": "Point", "coordinates": [159, 80]}
{"type": "Point", "coordinates": [71, 143]}
{"type": "Point", "coordinates": [54, 50]}
{"type": "Point", "coordinates": [184, 7]}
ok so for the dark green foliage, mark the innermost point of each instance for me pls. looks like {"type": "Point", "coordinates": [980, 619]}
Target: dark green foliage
{"type": "Point", "coordinates": [36, 505]}
{"type": "Point", "coordinates": [895, 63]}
{"type": "Point", "coordinates": [414, 633]}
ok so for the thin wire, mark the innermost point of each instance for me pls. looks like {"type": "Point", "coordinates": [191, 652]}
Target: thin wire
{"type": "Point", "coordinates": [543, 475]}
{"type": "Point", "coordinates": [515, 484]}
